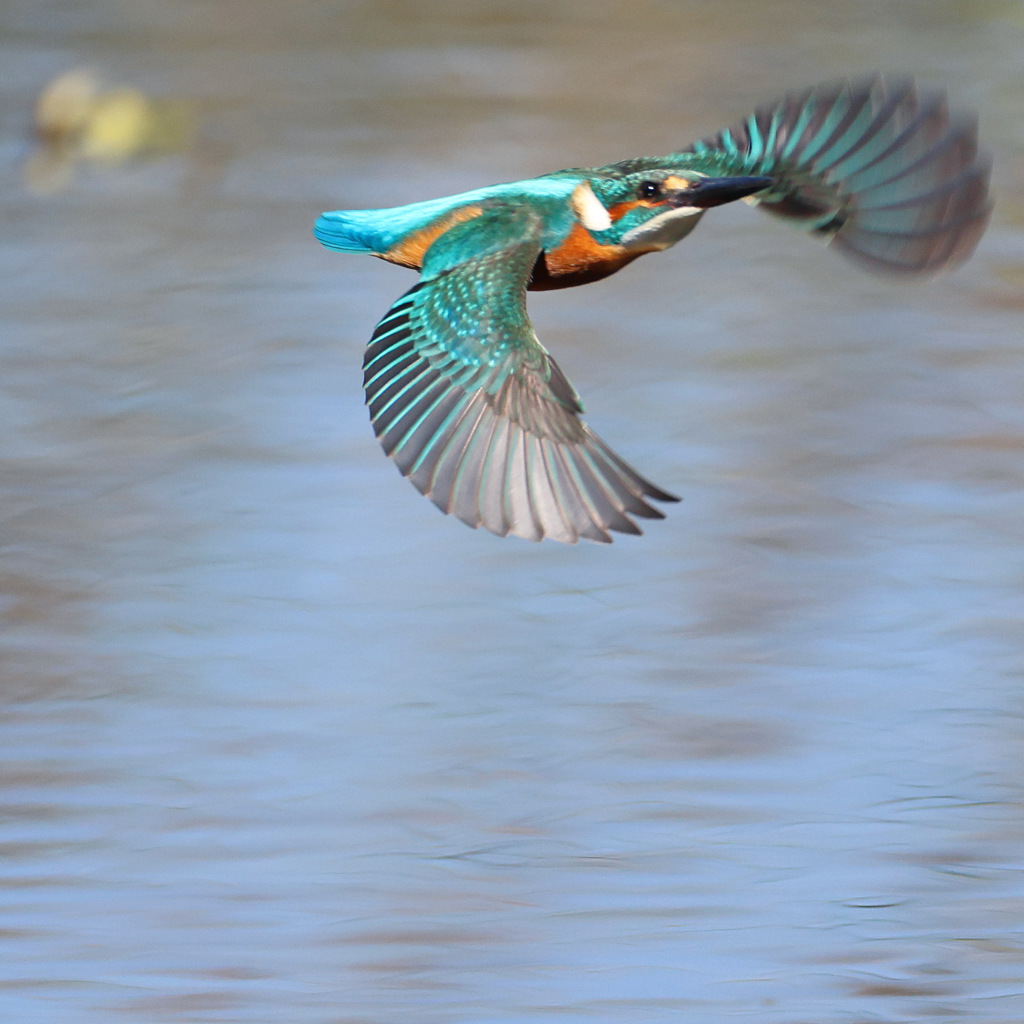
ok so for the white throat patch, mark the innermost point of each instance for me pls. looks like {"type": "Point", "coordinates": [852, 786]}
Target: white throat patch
{"type": "Point", "coordinates": [663, 230]}
{"type": "Point", "coordinates": [589, 210]}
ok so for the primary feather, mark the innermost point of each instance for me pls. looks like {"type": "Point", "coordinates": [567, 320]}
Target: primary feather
{"type": "Point", "coordinates": [475, 412]}
{"type": "Point", "coordinates": [879, 167]}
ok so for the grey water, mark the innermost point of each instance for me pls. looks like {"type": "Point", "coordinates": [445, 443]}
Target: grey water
{"type": "Point", "coordinates": [281, 743]}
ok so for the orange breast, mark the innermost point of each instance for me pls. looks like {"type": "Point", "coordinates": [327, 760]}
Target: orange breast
{"type": "Point", "coordinates": [580, 259]}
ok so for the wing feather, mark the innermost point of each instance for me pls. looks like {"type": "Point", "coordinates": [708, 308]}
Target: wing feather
{"type": "Point", "coordinates": [473, 409]}
{"type": "Point", "coordinates": [880, 167]}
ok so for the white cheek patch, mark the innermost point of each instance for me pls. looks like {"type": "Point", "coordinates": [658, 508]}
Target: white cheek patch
{"type": "Point", "coordinates": [589, 210]}
{"type": "Point", "coordinates": [663, 230]}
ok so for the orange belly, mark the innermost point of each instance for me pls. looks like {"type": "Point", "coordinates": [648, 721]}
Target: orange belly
{"type": "Point", "coordinates": [578, 260]}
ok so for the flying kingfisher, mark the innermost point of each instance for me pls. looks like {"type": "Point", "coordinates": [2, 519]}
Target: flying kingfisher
{"type": "Point", "coordinates": [471, 406]}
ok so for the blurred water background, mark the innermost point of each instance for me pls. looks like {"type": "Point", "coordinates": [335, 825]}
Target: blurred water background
{"type": "Point", "coordinates": [279, 743]}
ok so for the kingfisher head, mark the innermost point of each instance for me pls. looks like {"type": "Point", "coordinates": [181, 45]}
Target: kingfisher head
{"type": "Point", "coordinates": [651, 210]}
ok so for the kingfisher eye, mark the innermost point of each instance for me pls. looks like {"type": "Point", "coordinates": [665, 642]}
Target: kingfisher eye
{"type": "Point", "coordinates": [649, 189]}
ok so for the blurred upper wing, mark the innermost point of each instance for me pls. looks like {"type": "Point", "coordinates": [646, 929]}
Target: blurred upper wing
{"type": "Point", "coordinates": [475, 412]}
{"type": "Point", "coordinates": [881, 167]}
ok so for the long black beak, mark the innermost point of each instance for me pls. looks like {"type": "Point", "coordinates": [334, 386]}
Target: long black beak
{"type": "Point", "coordinates": [709, 192]}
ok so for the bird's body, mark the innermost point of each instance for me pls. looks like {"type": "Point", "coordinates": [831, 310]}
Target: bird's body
{"type": "Point", "coordinates": [465, 398]}
{"type": "Point", "coordinates": [576, 249]}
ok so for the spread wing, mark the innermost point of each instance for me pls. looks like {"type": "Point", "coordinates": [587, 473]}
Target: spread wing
{"type": "Point", "coordinates": [881, 168]}
{"type": "Point", "coordinates": [475, 412]}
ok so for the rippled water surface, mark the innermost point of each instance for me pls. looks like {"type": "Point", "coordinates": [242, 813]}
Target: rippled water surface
{"type": "Point", "coordinates": [280, 743]}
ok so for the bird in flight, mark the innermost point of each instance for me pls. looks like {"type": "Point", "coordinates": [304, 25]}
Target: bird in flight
{"type": "Point", "coordinates": [469, 403]}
